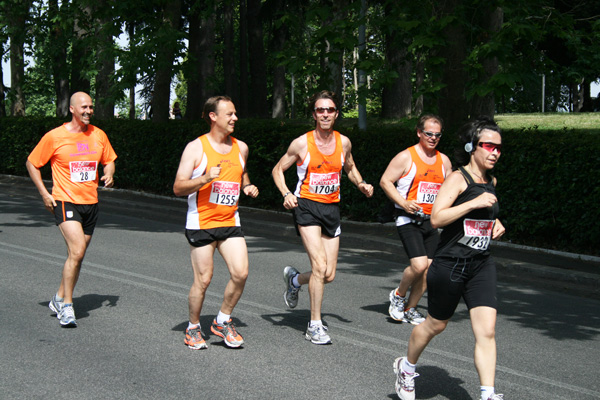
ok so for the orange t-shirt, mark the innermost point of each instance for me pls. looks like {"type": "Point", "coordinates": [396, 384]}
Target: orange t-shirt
{"type": "Point", "coordinates": [74, 159]}
{"type": "Point", "coordinates": [319, 175]}
{"type": "Point", "coordinates": [215, 205]}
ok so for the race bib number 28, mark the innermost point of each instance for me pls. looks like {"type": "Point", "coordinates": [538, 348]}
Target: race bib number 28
{"type": "Point", "coordinates": [83, 171]}
{"type": "Point", "coordinates": [324, 183]}
{"type": "Point", "coordinates": [478, 233]}
{"type": "Point", "coordinates": [224, 193]}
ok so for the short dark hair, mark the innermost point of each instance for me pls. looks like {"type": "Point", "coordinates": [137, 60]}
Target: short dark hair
{"type": "Point", "coordinates": [421, 122]}
{"type": "Point", "coordinates": [211, 106]}
{"type": "Point", "coordinates": [323, 94]}
{"type": "Point", "coordinates": [471, 133]}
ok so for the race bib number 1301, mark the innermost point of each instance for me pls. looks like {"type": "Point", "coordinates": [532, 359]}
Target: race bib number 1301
{"type": "Point", "coordinates": [224, 193]}
{"type": "Point", "coordinates": [478, 233]}
{"type": "Point", "coordinates": [427, 192]}
{"type": "Point", "coordinates": [83, 171]}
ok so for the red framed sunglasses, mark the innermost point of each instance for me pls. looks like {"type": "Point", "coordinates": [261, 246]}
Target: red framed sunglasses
{"type": "Point", "coordinates": [489, 146]}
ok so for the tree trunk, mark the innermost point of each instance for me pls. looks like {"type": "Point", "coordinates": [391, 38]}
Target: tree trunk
{"type": "Point", "coordinates": [59, 60]}
{"type": "Point", "coordinates": [419, 80]}
{"type": "Point", "coordinates": [280, 37]}
{"type": "Point", "coordinates": [258, 69]}
{"type": "Point", "coordinates": [16, 18]}
{"type": "Point", "coordinates": [201, 61]}
{"type": "Point", "coordinates": [587, 105]}
{"type": "Point", "coordinates": [131, 32]}
{"type": "Point", "coordinates": [452, 102]}
{"type": "Point", "coordinates": [229, 59]}
{"type": "Point", "coordinates": [80, 51]}
{"type": "Point", "coordinates": [165, 55]}
{"type": "Point", "coordinates": [2, 88]}
{"type": "Point", "coordinates": [486, 105]}
{"type": "Point", "coordinates": [242, 108]}
{"type": "Point", "coordinates": [104, 103]}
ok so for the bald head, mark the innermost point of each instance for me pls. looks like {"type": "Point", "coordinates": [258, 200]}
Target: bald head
{"type": "Point", "coordinates": [81, 108]}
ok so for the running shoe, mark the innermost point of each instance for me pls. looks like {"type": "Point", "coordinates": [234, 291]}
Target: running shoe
{"type": "Point", "coordinates": [413, 316]}
{"type": "Point", "coordinates": [193, 339]}
{"type": "Point", "coordinates": [317, 334]}
{"type": "Point", "coordinates": [56, 306]}
{"type": "Point", "coordinates": [290, 296]}
{"type": "Point", "coordinates": [405, 383]}
{"type": "Point", "coordinates": [397, 304]}
{"type": "Point", "coordinates": [228, 332]}
{"type": "Point", "coordinates": [496, 396]}
{"type": "Point", "coordinates": [66, 316]}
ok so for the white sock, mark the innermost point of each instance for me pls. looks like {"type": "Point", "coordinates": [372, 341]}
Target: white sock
{"type": "Point", "coordinates": [222, 318]}
{"type": "Point", "coordinates": [486, 392]}
{"type": "Point", "coordinates": [193, 326]}
{"type": "Point", "coordinates": [58, 299]}
{"type": "Point", "coordinates": [408, 367]}
{"type": "Point", "coordinates": [316, 323]}
{"type": "Point", "coordinates": [295, 281]}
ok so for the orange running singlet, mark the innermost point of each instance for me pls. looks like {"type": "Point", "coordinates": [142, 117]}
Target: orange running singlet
{"type": "Point", "coordinates": [319, 175]}
{"type": "Point", "coordinates": [74, 159]}
{"type": "Point", "coordinates": [215, 205]}
{"type": "Point", "coordinates": [423, 181]}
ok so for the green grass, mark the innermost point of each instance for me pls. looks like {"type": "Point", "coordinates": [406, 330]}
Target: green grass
{"type": "Point", "coordinates": [550, 121]}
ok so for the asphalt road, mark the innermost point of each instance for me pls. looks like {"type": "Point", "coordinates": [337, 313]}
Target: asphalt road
{"type": "Point", "coordinates": [131, 306]}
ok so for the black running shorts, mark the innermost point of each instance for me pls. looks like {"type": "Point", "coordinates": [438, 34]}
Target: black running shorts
{"type": "Point", "coordinates": [419, 240]}
{"type": "Point", "coordinates": [313, 213]}
{"type": "Point", "coordinates": [449, 279]}
{"type": "Point", "coordinates": [85, 214]}
{"type": "Point", "coordinates": [203, 237]}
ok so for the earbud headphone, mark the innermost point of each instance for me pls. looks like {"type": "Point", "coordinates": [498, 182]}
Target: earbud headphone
{"type": "Point", "coordinates": [469, 147]}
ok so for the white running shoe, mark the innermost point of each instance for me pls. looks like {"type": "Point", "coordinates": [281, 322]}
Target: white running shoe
{"type": "Point", "coordinates": [405, 383]}
{"type": "Point", "coordinates": [66, 316]}
{"type": "Point", "coordinates": [413, 316]}
{"type": "Point", "coordinates": [290, 296]}
{"type": "Point", "coordinates": [317, 334]}
{"type": "Point", "coordinates": [397, 304]}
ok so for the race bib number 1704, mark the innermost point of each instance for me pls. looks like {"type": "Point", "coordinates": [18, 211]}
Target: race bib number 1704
{"type": "Point", "coordinates": [324, 183]}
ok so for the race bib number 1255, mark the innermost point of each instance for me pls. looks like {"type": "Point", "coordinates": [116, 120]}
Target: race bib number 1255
{"type": "Point", "coordinates": [224, 193]}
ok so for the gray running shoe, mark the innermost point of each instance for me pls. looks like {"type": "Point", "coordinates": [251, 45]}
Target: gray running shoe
{"type": "Point", "coordinates": [496, 396]}
{"type": "Point", "coordinates": [413, 316]}
{"type": "Point", "coordinates": [317, 334]}
{"type": "Point", "coordinates": [290, 296]}
{"type": "Point", "coordinates": [66, 315]}
{"type": "Point", "coordinates": [397, 305]}
{"type": "Point", "coordinates": [55, 305]}
{"type": "Point", "coordinates": [405, 383]}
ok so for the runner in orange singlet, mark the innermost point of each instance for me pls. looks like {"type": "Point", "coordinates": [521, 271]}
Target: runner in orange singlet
{"type": "Point", "coordinates": [212, 173]}
{"type": "Point", "coordinates": [75, 150]}
{"type": "Point", "coordinates": [320, 156]}
{"type": "Point", "coordinates": [411, 181]}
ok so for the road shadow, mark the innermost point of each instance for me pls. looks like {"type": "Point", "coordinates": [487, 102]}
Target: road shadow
{"type": "Point", "coordinates": [298, 319]}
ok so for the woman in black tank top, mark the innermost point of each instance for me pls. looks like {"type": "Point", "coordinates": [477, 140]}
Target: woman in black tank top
{"type": "Point", "coordinates": [467, 209]}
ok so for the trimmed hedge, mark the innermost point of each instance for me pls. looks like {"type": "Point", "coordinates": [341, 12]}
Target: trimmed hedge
{"type": "Point", "coordinates": [546, 197]}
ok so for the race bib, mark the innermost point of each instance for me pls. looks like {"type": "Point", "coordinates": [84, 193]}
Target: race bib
{"type": "Point", "coordinates": [478, 233]}
{"type": "Point", "coordinates": [83, 171]}
{"type": "Point", "coordinates": [224, 193]}
{"type": "Point", "coordinates": [324, 183]}
{"type": "Point", "coordinates": [427, 192]}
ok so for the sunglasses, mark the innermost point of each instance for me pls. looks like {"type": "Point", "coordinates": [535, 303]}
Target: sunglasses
{"type": "Point", "coordinates": [321, 110]}
{"type": "Point", "coordinates": [491, 146]}
{"type": "Point", "coordinates": [433, 134]}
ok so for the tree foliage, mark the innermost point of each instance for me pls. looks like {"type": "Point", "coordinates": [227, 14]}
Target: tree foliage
{"type": "Point", "coordinates": [457, 57]}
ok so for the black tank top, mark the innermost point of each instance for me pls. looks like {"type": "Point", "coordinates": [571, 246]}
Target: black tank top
{"type": "Point", "coordinates": [470, 235]}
